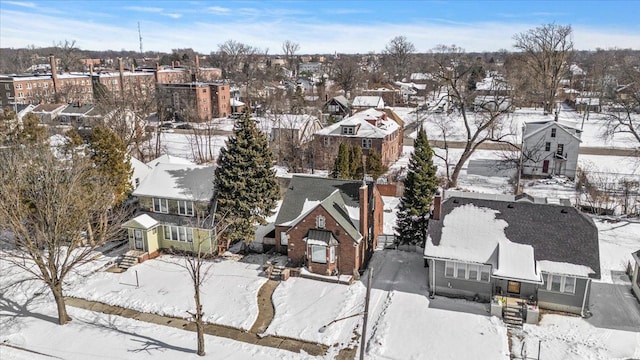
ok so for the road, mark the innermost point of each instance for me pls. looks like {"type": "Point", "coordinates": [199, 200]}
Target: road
{"type": "Point", "coordinates": [584, 150]}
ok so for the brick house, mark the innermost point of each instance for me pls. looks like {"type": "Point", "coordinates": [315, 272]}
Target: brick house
{"type": "Point", "coordinates": [329, 226]}
{"type": "Point", "coordinates": [371, 129]}
{"type": "Point", "coordinates": [208, 100]}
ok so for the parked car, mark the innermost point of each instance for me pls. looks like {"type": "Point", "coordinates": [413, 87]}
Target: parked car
{"type": "Point", "coordinates": [166, 125]}
{"type": "Point", "coordinates": [184, 126]}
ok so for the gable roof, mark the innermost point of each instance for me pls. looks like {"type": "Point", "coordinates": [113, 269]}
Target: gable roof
{"type": "Point", "coordinates": [143, 221]}
{"type": "Point", "coordinates": [340, 100]}
{"type": "Point", "coordinates": [562, 238]}
{"type": "Point", "coordinates": [548, 124]}
{"type": "Point", "coordinates": [47, 108]}
{"type": "Point", "coordinates": [341, 198]}
{"type": "Point", "coordinates": [180, 182]}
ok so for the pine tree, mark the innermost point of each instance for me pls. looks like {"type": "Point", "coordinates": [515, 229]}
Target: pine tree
{"type": "Point", "coordinates": [246, 186]}
{"type": "Point", "coordinates": [355, 162]}
{"type": "Point", "coordinates": [375, 168]}
{"type": "Point", "coordinates": [341, 168]}
{"type": "Point", "coordinates": [109, 154]}
{"type": "Point", "coordinates": [31, 131]}
{"type": "Point", "coordinates": [420, 186]}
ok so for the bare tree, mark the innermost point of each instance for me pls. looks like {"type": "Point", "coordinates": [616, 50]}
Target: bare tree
{"type": "Point", "coordinates": [57, 213]}
{"type": "Point", "coordinates": [346, 72]}
{"type": "Point", "coordinates": [69, 55]}
{"type": "Point", "coordinates": [623, 116]}
{"type": "Point", "coordinates": [482, 118]}
{"type": "Point", "coordinates": [289, 48]}
{"type": "Point", "coordinates": [548, 49]}
{"type": "Point", "coordinates": [399, 51]}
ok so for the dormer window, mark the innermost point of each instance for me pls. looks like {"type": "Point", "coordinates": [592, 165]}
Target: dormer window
{"type": "Point", "coordinates": [348, 130]}
{"type": "Point", "coordinates": [320, 222]}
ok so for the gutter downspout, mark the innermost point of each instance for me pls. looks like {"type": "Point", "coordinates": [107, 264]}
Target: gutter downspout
{"type": "Point", "coordinates": [433, 272]}
{"type": "Point", "coordinates": [584, 299]}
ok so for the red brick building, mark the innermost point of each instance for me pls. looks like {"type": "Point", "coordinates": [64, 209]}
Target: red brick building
{"type": "Point", "coordinates": [194, 101]}
{"type": "Point", "coordinates": [371, 129]}
{"type": "Point", "coordinates": [329, 226]}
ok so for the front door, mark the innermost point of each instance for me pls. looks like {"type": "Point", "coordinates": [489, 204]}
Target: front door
{"type": "Point", "coordinates": [545, 166]}
{"type": "Point", "coordinates": [137, 235]}
{"type": "Point", "coordinates": [513, 287]}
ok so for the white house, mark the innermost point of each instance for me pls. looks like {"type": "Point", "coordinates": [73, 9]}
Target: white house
{"type": "Point", "coordinates": [368, 102]}
{"type": "Point", "coordinates": [550, 148]}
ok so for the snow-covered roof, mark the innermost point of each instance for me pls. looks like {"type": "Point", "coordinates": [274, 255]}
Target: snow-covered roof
{"type": "Point", "coordinates": [420, 76]}
{"type": "Point", "coordinates": [493, 83]}
{"type": "Point", "coordinates": [588, 101]}
{"type": "Point", "coordinates": [576, 70]}
{"type": "Point", "coordinates": [364, 128]}
{"type": "Point", "coordinates": [520, 239]}
{"type": "Point", "coordinates": [143, 221]}
{"type": "Point", "coordinates": [170, 159]}
{"type": "Point", "coordinates": [368, 101]}
{"type": "Point", "coordinates": [140, 171]}
{"type": "Point", "coordinates": [235, 102]}
{"type": "Point", "coordinates": [178, 181]}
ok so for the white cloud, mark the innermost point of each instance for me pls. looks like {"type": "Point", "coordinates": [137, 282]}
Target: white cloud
{"type": "Point", "coordinates": [22, 4]}
{"type": "Point", "coordinates": [144, 9]}
{"type": "Point", "coordinates": [173, 15]}
{"type": "Point", "coordinates": [219, 9]}
{"type": "Point", "coordinates": [313, 37]}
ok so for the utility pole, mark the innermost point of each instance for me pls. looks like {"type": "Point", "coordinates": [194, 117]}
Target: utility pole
{"type": "Point", "coordinates": [363, 341]}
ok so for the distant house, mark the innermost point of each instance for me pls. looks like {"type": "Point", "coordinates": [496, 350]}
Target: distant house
{"type": "Point", "coordinates": [79, 115]}
{"type": "Point", "coordinates": [310, 68]}
{"type": "Point", "coordinates": [367, 102]}
{"type": "Point", "coordinates": [379, 130]}
{"type": "Point", "coordinates": [588, 104]}
{"type": "Point", "coordinates": [336, 108]}
{"type": "Point", "coordinates": [481, 246]}
{"type": "Point", "coordinates": [635, 277]}
{"type": "Point", "coordinates": [169, 159]}
{"type": "Point", "coordinates": [173, 212]}
{"type": "Point", "coordinates": [550, 148]}
{"type": "Point", "coordinates": [328, 226]}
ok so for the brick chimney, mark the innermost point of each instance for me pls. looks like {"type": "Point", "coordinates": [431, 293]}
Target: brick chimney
{"type": "Point", "coordinates": [364, 211]}
{"type": "Point", "coordinates": [54, 73]}
{"type": "Point", "coordinates": [437, 206]}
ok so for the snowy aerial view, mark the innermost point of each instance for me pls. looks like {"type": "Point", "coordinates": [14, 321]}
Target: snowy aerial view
{"type": "Point", "coordinates": [387, 180]}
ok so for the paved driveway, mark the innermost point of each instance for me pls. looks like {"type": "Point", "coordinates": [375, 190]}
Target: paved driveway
{"type": "Point", "coordinates": [613, 305]}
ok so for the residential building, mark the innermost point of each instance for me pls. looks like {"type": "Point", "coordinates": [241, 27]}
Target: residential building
{"type": "Point", "coordinates": [310, 67]}
{"type": "Point", "coordinates": [537, 251]}
{"type": "Point", "coordinates": [289, 136]}
{"type": "Point", "coordinates": [635, 275]}
{"type": "Point", "coordinates": [79, 115]}
{"type": "Point", "coordinates": [336, 108]}
{"type": "Point", "coordinates": [48, 113]}
{"type": "Point", "coordinates": [379, 130]}
{"type": "Point", "coordinates": [328, 226]}
{"type": "Point", "coordinates": [173, 212]}
{"type": "Point", "coordinates": [194, 101]}
{"type": "Point", "coordinates": [367, 102]}
{"type": "Point", "coordinates": [550, 148]}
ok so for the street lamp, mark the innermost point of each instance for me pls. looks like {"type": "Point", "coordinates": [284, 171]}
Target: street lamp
{"type": "Point", "coordinates": [365, 313]}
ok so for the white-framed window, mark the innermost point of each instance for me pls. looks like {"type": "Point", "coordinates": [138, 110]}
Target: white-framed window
{"type": "Point", "coordinates": [559, 283]}
{"type": "Point", "coordinates": [348, 130]}
{"type": "Point", "coordinates": [320, 222]}
{"type": "Point", "coordinates": [284, 238]}
{"type": "Point", "coordinates": [28, 85]}
{"type": "Point", "coordinates": [185, 208]}
{"type": "Point", "coordinates": [318, 254]}
{"type": "Point", "coordinates": [332, 254]}
{"type": "Point", "coordinates": [547, 146]}
{"type": "Point", "coordinates": [178, 233]}
{"type": "Point", "coordinates": [366, 143]}
{"type": "Point", "coordinates": [326, 140]}
{"type": "Point", "coordinates": [161, 205]}
{"type": "Point", "coordinates": [465, 271]}
{"type": "Point", "coordinates": [19, 86]}
{"type": "Point", "coordinates": [553, 132]}
{"type": "Point", "coordinates": [7, 87]}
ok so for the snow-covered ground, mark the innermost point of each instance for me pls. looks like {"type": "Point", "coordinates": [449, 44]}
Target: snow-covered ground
{"type": "Point", "coordinates": [228, 295]}
{"type": "Point", "coordinates": [573, 338]}
{"type": "Point", "coordinates": [617, 241]}
{"type": "Point", "coordinates": [591, 136]}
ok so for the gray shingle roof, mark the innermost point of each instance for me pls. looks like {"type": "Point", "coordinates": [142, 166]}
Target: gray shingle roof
{"type": "Point", "coordinates": [557, 233]}
{"type": "Point", "coordinates": [308, 188]}
{"type": "Point", "coordinates": [322, 235]}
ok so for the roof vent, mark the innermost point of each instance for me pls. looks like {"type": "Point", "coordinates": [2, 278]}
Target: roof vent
{"type": "Point", "coordinates": [510, 206]}
{"type": "Point", "coordinates": [564, 211]}
{"type": "Point", "coordinates": [455, 201]}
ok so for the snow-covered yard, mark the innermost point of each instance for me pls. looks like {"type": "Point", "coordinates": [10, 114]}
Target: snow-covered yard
{"type": "Point", "coordinates": [617, 241]}
{"type": "Point", "coordinates": [228, 295]}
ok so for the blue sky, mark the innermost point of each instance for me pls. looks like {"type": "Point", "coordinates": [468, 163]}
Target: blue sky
{"type": "Point", "coordinates": [318, 26]}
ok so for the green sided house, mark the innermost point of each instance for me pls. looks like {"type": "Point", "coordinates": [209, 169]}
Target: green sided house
{"type": "Point", "coordinates": [174, 211]}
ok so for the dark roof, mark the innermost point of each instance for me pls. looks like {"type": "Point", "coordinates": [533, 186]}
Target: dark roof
{"type": "Point", "coordinates": [556, 233]}
{"type": "Point", "coordinates": [322, 235]}
{"type": "Point", "coordinates": [47, 107]}
{"type": "Point", "coordinates": [309, 188]}
{"type": "Point", "coordinates": [77, 109]}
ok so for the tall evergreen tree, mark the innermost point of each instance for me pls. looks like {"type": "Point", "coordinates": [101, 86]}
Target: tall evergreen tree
{"type": "Point", "coordinates": [375, 168]}
{"type": "Point", "coordinates": [109, 154]}
{"type": "Point", "coordinates": [341, 168]}
{"type": "Point", "coordinates": [246, 186]}
{"type": "Point", "coordinates": [420, 186]}
{"type": "Point", "coordinates": [355, 162]}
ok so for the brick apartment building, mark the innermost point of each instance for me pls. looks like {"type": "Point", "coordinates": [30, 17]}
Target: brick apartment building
{"type": "Point", "coordinates": [371, 129]}
{"type": "Point", "coordinates": [208, 100]}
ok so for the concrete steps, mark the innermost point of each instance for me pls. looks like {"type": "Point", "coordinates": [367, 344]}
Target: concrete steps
{"type": "Point", "coordinates": [512, 316]}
